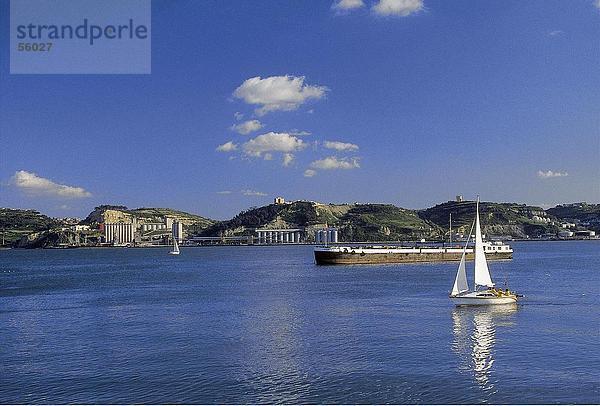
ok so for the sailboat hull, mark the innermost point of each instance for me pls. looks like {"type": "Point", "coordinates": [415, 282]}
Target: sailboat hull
{"type": "Point", "coordinates": [482, 299]}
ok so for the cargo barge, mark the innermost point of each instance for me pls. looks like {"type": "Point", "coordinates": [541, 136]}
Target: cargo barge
{"type": "Point", "coordinates": [381, 254]}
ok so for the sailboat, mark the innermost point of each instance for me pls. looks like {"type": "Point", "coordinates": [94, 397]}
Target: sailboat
{"type": "Point", "coordinates": [175, 250]}
{"type": "Point", "coordinates": [484, 291]}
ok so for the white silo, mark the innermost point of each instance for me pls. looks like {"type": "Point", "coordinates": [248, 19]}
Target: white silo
{"type": "Point", "coordinates": [334, 235]}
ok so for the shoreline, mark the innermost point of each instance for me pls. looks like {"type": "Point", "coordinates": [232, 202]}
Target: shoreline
{"type": "Point", "coordinates": [412, 243]}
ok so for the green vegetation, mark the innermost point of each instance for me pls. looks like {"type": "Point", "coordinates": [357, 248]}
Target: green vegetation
{"type": "Point", "coordinates": [517, 220]}
{"type": "Point", "coordinates": [576, 211]}
{"type": "Point", "coordinates": [588, 214]}
{"type": "Point", "coordinates": [15, 223]}
{"type": "Point", "coordinates": [383, 222]}
{"type": "Point", "coordinates": [360, 222]}
{"type": "Point", "coordinates": [356, 222]}
{"type": "Point", "coordinates": [246, 221]}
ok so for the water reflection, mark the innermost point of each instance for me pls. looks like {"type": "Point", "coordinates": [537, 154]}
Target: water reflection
{"type": "Point", "coordinates": [474, 331]}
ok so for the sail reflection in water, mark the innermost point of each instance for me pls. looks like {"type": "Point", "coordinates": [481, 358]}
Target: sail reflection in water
{"type": "Point", "coordinates": [474, 331]}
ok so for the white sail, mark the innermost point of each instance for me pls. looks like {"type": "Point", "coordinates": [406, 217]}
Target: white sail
{"type": "Point", "coordinates": [460, 282]}
{"type": "Point", "coordinates": [175, 245]}
{"type": "Point", "coordinates": [482, 273]}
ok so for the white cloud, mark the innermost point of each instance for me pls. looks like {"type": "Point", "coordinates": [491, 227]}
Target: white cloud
{"type": "Point", "coordinates": [341, 146]}
{"type": "Point", "coordinates": [227, 147]}
{"type": "Point", "coordinates": [224, 192]}
{"type": "Point", "coordinates": [551, 174]}
{"type": "Point", "coordinates": [309, 173]}
{"type": "Point", "coordinates": [273, 142]}
{"type": "Point", "coordinates": [401, 8]}
{"type": "Point", "coordinates": [299, 133]}
{"type": "Point", "coordinates": [288, 159]}
{"type": "Point", "coordinates": [238, 116]}
{"type": "Point", "coordinates": [274, 93]}
{"type": "Point", "coordinates": [247, 127]}
{"type": "Point", "coordinates": [345, 5]}
{"type": "Point", "coordinates": [332, 162]}
{"type": "Point", "coordinates": [32, 184]}
{"type": "Point", "coordinates": [556, 32]}
{"type": "Point", "coordinates": [250, 192]}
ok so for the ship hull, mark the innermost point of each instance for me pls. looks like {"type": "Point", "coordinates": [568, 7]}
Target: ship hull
{"type": "Point", "coordinates": [479, 299]}
{"type": "Point", "coordinates": [348, 258]}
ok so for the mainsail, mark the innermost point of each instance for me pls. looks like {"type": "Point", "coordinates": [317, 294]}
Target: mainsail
{"type": "Point", "coordinates": [482, 273]}
{"type": "Point", "coordinates": [175, 246]}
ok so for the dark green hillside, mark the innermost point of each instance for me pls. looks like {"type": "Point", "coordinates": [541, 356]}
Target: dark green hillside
{"type": "Point", "coordinates": [517, 220]}
{"type": "Point", "coordinates": [15, 223]}
{"type": "Point", "coordinates": [358, 222]}
{"type": "Point", "coordinates": [383, 222]}
{"type": "Point", "coordinates": [285, 215]}
{"type": "Point", "coordinates": [576, 211]}
{"type": "Point", "coordinates": [587, 214]}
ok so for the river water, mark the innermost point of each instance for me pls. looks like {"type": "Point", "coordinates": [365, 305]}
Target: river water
{"type": "Point", "coordinates": [266, 325]}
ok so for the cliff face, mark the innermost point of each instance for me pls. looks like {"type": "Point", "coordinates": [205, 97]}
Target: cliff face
{"type": "Point", "coordinates": [116, 214]}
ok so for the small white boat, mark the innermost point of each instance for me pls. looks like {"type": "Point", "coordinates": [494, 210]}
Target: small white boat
{"type": "Point", "coordinates": [175, 250]}
{"type": "Point", "coordinates": [484, 291]}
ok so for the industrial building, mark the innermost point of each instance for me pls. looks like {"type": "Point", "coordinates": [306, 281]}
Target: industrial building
{"type": "Point", "coordinates": [153, 227]}
{"type": "Point", "coordinates": [326, 235]}
{"type": "Point", "coordinates": [177, 230]}
{"type": "Point", "coordinates": [279, 236]}
{"type": "Point", "coordinates": [143, 232]}
{"type": "Point", "coordinates": [119, 233]}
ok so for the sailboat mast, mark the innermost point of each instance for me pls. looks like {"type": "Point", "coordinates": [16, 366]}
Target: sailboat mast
{"type": "Point", "coordinates": [450, 228]}
{"type": "Point", "coordinates": [475, 246]}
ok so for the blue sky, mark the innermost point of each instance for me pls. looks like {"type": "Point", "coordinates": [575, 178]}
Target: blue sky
{"type": "Point", "coordinates": [408, 102]}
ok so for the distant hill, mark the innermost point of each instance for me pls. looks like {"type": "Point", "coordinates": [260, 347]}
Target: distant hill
{"type": "Point", "coordinates": [114, 214]}
{"type": "Point", "coordinates": [584, 213]}
{"type": "Point", "coordinates": [516, 220]}
{"type": "Point", "coordinates": [15, 223]}
{"type": "Point", "coordinates": [31, 229]}
{"type": "Point", "coordinates": [356, 222]}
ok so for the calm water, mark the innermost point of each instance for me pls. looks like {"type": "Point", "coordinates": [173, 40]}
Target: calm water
{"type": "Point", "coordinates": [265, 325]}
